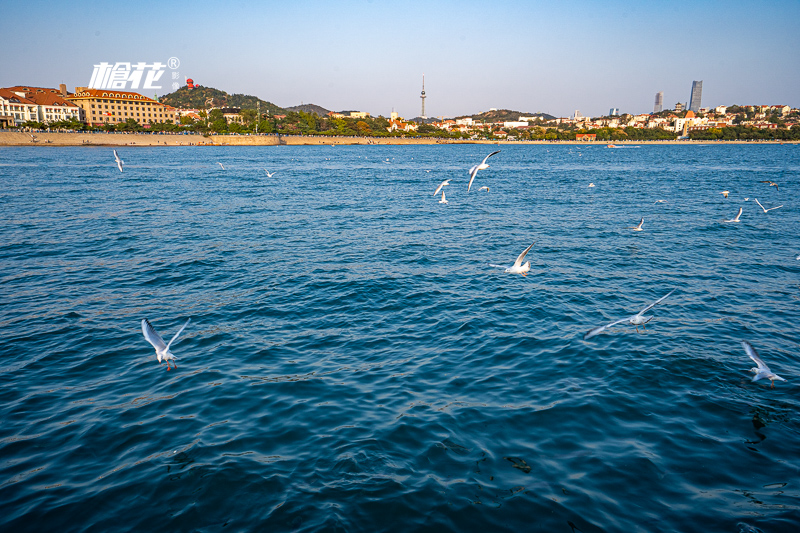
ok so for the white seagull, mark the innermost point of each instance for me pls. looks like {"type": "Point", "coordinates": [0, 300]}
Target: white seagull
{"type": "Point", "coordinates": [725, 193]}
{"type": "Point", "coordinates": [265, 170]}
{"type": "Point", "coordinates": [591, 185]}
{"type": "Point", "coordinates": [162, 350]}
{"type": "Point", "coordinates": [484, 188]}
{"type": "Point", "coordinates": [443, 200]}
{"type": "Point", "coordinates": [659, 202]}
{"type": "Point", "coordinates": [762, 371]}
{"type": "Point", "coordinates": [764, 208]}
{"type": "Point", "coordinates": [221, 165]}
{"type": "Point", "coordinates": [736, 218]}
{"type": "Point", "coordinates": [439, 188]}
{"type": "Point", "coordinates": [119, 161]}
{"type": "Point", "coordinates": [639, 227]}
{"type": "Point", "coordinates": [474, 170]}
{"type": "Point", "coordinates": [636, 320]}
{"type": "Point", "coordinates": [518, 267]}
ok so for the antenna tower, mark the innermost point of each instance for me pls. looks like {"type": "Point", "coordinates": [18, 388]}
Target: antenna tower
{"type": "Point", "coordinates": [422, 96]}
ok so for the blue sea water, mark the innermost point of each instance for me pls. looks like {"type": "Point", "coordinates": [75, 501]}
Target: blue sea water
{"type": "Point", "coordinates": [353, 363]}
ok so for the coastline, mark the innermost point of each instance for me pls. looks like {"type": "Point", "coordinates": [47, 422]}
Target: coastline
{"type": "Point", "coordinates": [14, 138]}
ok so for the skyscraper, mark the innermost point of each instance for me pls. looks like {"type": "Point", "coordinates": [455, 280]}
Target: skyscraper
{"type": "Point", "coordinates": [659, 106]}
{"type": "Point", "coordinates": [613, 112]}
{"type": "Point", "coordinates": [697, 94]}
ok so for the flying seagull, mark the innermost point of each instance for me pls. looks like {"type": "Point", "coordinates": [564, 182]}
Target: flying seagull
{"type": "Point", "coordinates": [639, 227]}
{"type": "Point", "coordinates": [265, 170]}
{"type": "Point", "coordinates": [439, 188]}
{"type": "Point", "coordinates": [591, 185]}
{"type": "Point", "coordinates": [764, 208]}
{"type": "Point", "coordinates": [484, 188]}
{"type": "Point", "coordinates": [725, 193]}
{"type": "Point", "coordinates": [162, 350]}
{"type": "Point", "coordinates": [762, 371]}
{"type": "Point", "coordinates": [659, 202]}
{"type": "Point", "coordinates": [518, 267]}
{"type": "Point", "coordinates": [771, 184]}
{"type": "Point", "coordinates": [736, 218]}
{"type": "Point", "coordinates": [483, 166]}
{"type": "Point", "coordinates": [221, 165]}
{"type": "Point", "coordinates": [443, 200]}
{"type": "Point", "coordinates": [119, 161]}
{"type": "Point", "coordinates": [636, 320]}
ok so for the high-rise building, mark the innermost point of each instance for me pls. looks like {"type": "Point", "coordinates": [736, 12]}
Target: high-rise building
{"type": "Point", "coordinates": [659, 105]}
{"type": "Point", "coordinates": [613, 112]}
{"type": "Point", "coordinates": [697, 94]}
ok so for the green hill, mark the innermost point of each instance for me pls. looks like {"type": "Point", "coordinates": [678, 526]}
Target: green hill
{"type": "Point", "coordinates": [310, 109]}
{"type": "Point", "coordinates": [506, 115]}
{"type": "Point", "coordinates": [203, 97]}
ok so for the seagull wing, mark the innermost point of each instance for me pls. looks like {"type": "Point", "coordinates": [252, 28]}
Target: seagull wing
{"type": "Point", "coordinates": [472, 173]}
{"type": "Point", "coordinates": [179, 332]}
{"type": "Point", "coordinates": [519, 260]}
{"type": "Point", "coordinates": [640, 223]}
{"type": "Point", "coordinates": [649, 307]}
{"type": "Point", "coordinates": [776, 207]}
{"type": "Point", "coordinates": [488, 156]}
{"type": "Point", "coordinates": [748, 348]}
{"type": "Point", "coordinates": [439, 188]}
{"type": "Point", "coordinates": [597, 331]}
{"type": "Point", "coordinates": [761, 206]}
{"type": "Point", "coordinates": [151, 335]}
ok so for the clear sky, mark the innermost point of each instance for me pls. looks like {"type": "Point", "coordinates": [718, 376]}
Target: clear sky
{"type": "Point", "coordinates": [370, 55]}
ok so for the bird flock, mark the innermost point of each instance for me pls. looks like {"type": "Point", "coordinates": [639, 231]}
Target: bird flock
{"type": "Point", "coordinates": [761, 371]}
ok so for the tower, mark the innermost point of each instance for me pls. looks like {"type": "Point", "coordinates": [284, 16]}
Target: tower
{"type": "Point", "coordinates": [697, 94]}
{"type": "Point", "coordinates": [422, 96]}
{"type": "Point", "coordinates": [659, 105]}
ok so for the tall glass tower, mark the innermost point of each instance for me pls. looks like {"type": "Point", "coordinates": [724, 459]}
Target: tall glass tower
{"type": "Point", "coordinates": [697, 94]}
{"type": "Point", "coordinates": [659, 105]}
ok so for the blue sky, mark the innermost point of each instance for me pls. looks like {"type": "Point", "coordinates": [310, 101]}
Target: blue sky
{"type": "Point", "coordinates": [370, 55]}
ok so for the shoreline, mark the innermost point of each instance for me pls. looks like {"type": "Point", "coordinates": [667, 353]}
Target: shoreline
{"type": "Point", "coordinates": [13, 138]}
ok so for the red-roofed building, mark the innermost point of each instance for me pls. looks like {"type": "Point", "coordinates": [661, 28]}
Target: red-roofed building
{"type": "Point", "coordinates": [104, 106]}
{"type": "Point", "coordinates": [36, 104]}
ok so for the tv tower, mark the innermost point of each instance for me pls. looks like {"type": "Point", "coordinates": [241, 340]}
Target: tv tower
{"type": "Point", "coordinates": [422, 96]}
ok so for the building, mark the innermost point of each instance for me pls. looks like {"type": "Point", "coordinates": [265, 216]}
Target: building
{"type": "Point", "coordinates": [36, 104]}
{"type": "Point", "coordinates": [101, 106]}
{"type": "Point", "coordinates": [659, 105]}
{"type": "Point", "coordinates": [678, 107]}
{"type": "Point", "coordinates": [586, 137]}
{"type": "Point", "coordinates": [697, 95]}
{"type": "Point", "coordinates": [613, 112]}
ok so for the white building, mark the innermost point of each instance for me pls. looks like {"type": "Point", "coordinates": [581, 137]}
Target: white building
{"type": "Point", "coordinates": [38, 104]}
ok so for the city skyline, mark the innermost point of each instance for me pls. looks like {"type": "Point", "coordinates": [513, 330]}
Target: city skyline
{"type": "Point", "coordinates": [369, 55]}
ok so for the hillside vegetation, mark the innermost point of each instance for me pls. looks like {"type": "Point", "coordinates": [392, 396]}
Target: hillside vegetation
{"type": "Point", "coordinates": [198, 98]}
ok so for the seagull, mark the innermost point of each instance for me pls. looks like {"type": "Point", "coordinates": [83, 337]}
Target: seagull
{"type": "Point", "coordinates": [725, 193]}
{"type": "Point", "coordinates": [762, 371]}
{"type": "Point", "coordinates": [659, 202]}
{"type": "Point", "coordinates": [483, 166]}
{"type": "Point", "coordinates": [639, 227]}
{"type": "Point", "coordinates": [736, 218]}
{"type": "Point", "coordinates": [746, 199]}
{"type": "Point", "coordinates": [220, 164]}
{"type": "Point", "coordinates": [439, 188]}
{"type": "Point", "coordinates": [265, 170]}
{"type": "Point", "coordinates": [591, 185]}
{"type": "Point", "coordinates": [636, 320]}
{"type": "Point", "coordinates": [764, 208]}
{"type": "Point", "coordinates": [771, 184]}
{"type": "Point", "coordinates": [518, 267]}
{"type": "Point", "coordinates": [162, 350]}
{"type": "Point", "coordinates": [443, 200]}
{"type": "Point", "coordinates": [119, 161]}
{"type": "Point", "coordinates": [484, 188]}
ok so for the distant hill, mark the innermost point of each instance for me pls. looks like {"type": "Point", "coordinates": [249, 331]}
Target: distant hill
{"type": "Point", "coordinates": [506, 115]}
{"type": "Point", "coordinates": [310, 109]}
{"type": "Point", "coordinates": [196, 99]}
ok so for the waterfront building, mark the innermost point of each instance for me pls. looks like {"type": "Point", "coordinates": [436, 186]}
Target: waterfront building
{"type": "Point", "coordinates": [101, 106]}
{"type": "Point", "coordinates": [697, 94]}
{"type": "Point", "coordinates": [659, 105]}
{"type": "Point", "coordinates": [36, 104]}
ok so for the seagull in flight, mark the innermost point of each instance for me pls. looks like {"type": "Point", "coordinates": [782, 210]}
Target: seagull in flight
{"type": "Point", "coordinates": [518, 267]}
{"type": "Point", "coordinates": [221, 165]}
{"type": "Point", "coordinates": [725, 193]}
{"type": "Point", "coordinates": [736, 218]}
{"type": "Point", "coordinates": [443, 200]}
{"type": "Point", "coordinates": [484, 188]}
{"type": "Point", "coordinates": [771, 184]}
{"type": "Point", "coordinates": [762, 371]}
{"type": "Point", "coordinates": [265, 170]}
{"type": "Point", "coordinates": [119, 161]}
{"type": "Point", "coordinates": [439, 188]}
{"type": "Point", "coordinates": [764, 208]}
{"type": "Point", "coordinates": [162, 350]}
{"type": "Point", "coordinates": [591, 185]}
{"type": "Point", "coordinates": [659, 202]}
{"type": "Point", "coordinates": [639, 227]}
{"type": "Point", "coordinates": [636, 320]}
{"type": "Point", "coordinates": [483, 166]}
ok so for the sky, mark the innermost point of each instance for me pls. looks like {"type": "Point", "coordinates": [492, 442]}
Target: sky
{"type": "Point", "coordinates": [370, 55]}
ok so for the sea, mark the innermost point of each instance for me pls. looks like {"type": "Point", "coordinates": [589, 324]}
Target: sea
{"type": "Point", "coordinates": [354, 363]}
